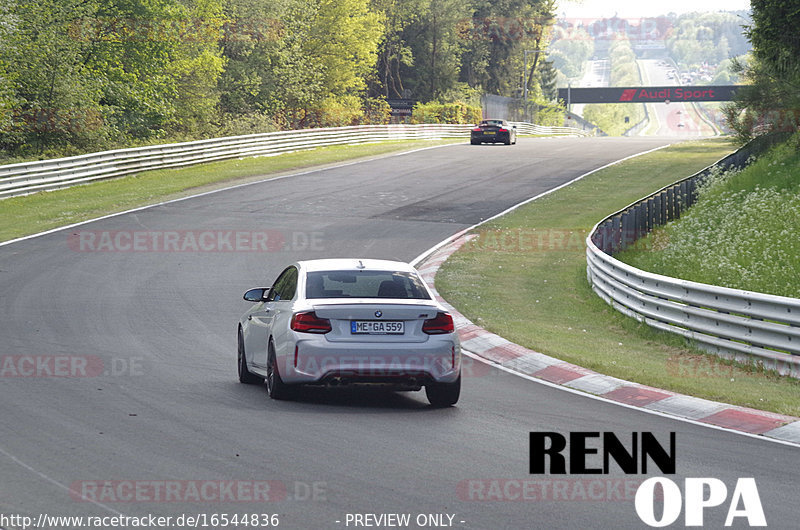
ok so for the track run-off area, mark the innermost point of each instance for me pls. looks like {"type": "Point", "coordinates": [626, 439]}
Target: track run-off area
{"type": "Point", "coordinates": [143, 413]}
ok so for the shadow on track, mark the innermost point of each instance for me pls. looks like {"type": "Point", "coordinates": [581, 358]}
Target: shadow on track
{"type": "Point", "coordinates": [333, 398]}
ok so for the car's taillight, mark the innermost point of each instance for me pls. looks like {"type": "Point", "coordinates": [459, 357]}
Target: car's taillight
{"type": "Point", "coordinates": [477, 129]}
{"type": "Point", "coordinates": [442, 323]}
{"type": "Point", "coordinates": [309, 322]}
{"type": "Point", "coordinates": [503, 130]}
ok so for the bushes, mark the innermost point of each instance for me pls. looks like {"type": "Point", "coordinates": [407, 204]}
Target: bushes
{"type": "Point", "coordinates": [254, 123]}
{"type": "Point", "coordinates": [434, 112]}
{"type": "Point", "coordinates": [549, 116]}
{"type": "Point", "coordinates": [336, 112]}
{"type": "Point", "coordinates": [376, 111]}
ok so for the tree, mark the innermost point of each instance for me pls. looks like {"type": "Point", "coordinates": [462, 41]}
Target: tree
{"type": "Point", "coordinates": [546, 78]}
{"type": "Point", "coordinates": [436, 47]}
{"type": "Point", "coordinates": [773, 35]}
{"type": "Point", "coordinates": [343, 38]}
{"type": "Point", "coordinates": [329, 49]}
{"type": "Point", "coordinates": [771, 99]}
{"type": "Point", "coordinates": [7, 100]}
{"type": "Point", "coordinates": [502, 30]}
{"type": "Point", "coordinates": [259, 69]}
{"type": "Point", "coordinates": [570, 54]}
{"type": "Point", "coordinates": [95, 72]}
{"type": "Point", "coordinates": [394, 51]}
{"type": "Point", "coordinates": [195, 66]}
{"type": "Point", "coordinates": [51, 81]}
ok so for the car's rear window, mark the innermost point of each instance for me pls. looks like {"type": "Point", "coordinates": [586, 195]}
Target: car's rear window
{"type": "Point", "coordinates": [492, 123]}
{"type": "Point", "coordinates": [365, 284]}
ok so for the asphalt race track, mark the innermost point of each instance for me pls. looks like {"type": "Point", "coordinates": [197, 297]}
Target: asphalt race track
{"type": "Point", "coordinates": [154, 396]}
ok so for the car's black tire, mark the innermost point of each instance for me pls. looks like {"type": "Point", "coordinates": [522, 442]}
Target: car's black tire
{"type": "Point", "coordinates": [245, 376]}
{"type": "Point", "coordinates": [474, 142]}
{"type": "Point", "coordinates": [276, 388]}
{"type": "Point", "coordinates": [443, 394]}
{"type": "Point", "coordinates": [508, 140]}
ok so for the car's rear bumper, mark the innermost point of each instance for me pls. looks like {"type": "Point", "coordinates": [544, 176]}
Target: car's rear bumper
{"type": "Point", "coordinates": [493, 138]}
{"type": "Point", "coordinates": [320, 361]}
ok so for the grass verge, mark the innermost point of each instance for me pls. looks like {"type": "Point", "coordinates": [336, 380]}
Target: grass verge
{"type": "Point", "coordinates": [741, 233]}
{"type": "Point", "coordinates": [30, 214]}
{"type": "Point", "coordinates": [524, 278]}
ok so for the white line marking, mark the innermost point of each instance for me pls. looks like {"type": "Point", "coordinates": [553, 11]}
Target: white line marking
{"type": "Point", "coordinates": [269, 179]}
{"type": "Point", "coordinates": [452, 238]}
{"type": "Point", "coordinates": [54, 481]}
{"type": "Point", "coordinates": [620, 404]}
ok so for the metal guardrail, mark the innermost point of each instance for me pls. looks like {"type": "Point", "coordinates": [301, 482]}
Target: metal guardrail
{"type": "Point", "coordinates": [532, 128]}
{"type": "Point", "coordinates": [590, 128]}
{"type": "Point", "coordinates": [30, 177]}
{"type": "Point", "coordinates": [746, 326]}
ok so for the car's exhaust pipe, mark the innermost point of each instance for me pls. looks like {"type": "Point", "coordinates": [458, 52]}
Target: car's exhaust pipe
{"type": "Point", "coordinates": [337, 381]}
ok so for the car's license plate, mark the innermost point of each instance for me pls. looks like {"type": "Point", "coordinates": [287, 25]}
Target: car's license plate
{"type": "Point", "coordinates": [376, 327]}
{"type": "Point", "coordinates": [488, 132]}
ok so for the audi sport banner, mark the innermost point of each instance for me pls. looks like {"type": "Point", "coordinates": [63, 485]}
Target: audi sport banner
{"type": "Point", "coordinates": [649, 94]}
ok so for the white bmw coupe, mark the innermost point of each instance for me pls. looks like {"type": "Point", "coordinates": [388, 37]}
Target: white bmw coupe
{"type": "Point", "coordinates": [349, 322]}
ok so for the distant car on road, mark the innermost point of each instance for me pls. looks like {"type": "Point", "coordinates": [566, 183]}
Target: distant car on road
{"type": "Point", "coordinates": [337, 322]}
{"type": "Point", "coordinates": [493, 131]}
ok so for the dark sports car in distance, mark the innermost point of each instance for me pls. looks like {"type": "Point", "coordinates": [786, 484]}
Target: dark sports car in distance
{"type": "Point", "coordinates": [493, 131]}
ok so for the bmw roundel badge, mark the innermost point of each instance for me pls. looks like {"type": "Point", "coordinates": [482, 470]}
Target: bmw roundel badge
{"type": "Point", "coordinates": [378, 313]}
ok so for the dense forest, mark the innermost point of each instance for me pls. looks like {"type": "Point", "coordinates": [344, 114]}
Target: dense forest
{"type": "Point", "coordinates": [708, 37]}
{"type": "Point", "coordinates": [79, 75]}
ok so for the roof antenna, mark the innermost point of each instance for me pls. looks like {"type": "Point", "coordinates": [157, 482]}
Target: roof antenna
{"type": "Point", "coordinates": [360, 265]}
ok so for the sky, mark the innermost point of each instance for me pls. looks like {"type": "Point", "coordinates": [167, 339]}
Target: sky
{"type": "Point", "coordinates": [642, 8]}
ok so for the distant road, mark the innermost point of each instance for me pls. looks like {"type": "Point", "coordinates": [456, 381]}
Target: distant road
{"type": "Point", "coordinates": [597, 74]}
{"type": "Point", "coordinates": [670, 119]}
{"type": "Point", "coordinates": [666, 119]}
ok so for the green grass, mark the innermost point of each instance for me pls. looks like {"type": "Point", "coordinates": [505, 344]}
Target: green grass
{"type": "Point", "coordinates": [21, 216]}
{"type": "Point", "coordinates": [741, 233]}
{"type": "Point", "coordinates": [524, 278]}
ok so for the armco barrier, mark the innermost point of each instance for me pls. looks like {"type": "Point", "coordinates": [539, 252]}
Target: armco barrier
{"type": "Point", "coordinates": [30, 177]}
{"type": "Point", "coordinates": [531, 128]}
{"type": "Point", "coordinates": [746, 326]}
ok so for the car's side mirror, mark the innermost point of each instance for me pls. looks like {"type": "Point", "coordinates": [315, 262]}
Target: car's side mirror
{"type": "Point", "coordinates": [256, 295]}
{"type": "Point", "coordinates": [513, 126]}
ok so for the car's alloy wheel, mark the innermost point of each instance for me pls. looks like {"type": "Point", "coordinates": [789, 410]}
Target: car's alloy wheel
{"type": "Point", "coordinates": [276, 388]}
{"type": "Point", "coordinates": [245, 376]}
{"type": "Point", "coordinates": [443, 394]}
